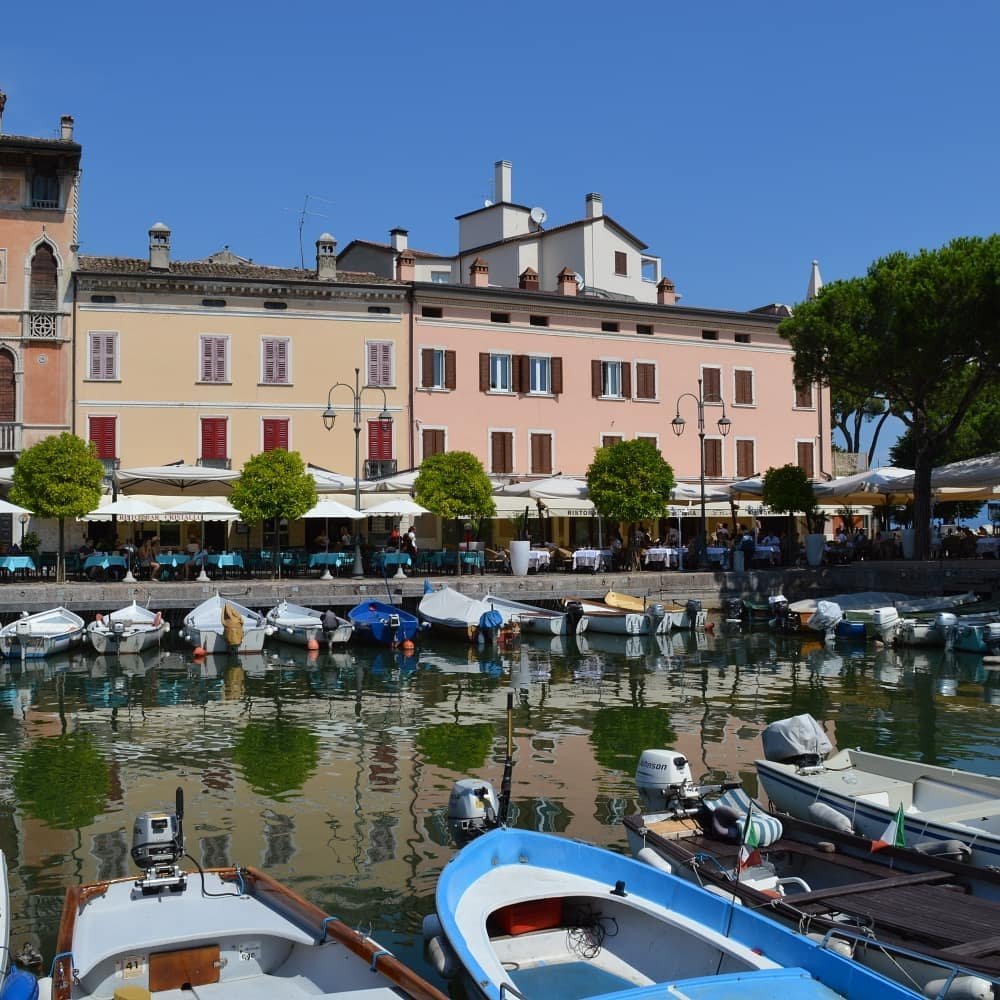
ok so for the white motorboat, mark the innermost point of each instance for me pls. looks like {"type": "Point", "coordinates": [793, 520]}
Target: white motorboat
{"type": "Point", "coordinates": [452, 613]}
{"type": "Point", "coordinates": [41, 634]}
{"type": "Point", "coordinates": [864, 792]}
{"type": "Point", "coordinates": [220, 625]}
{"type": "Point", "coordinates": [130, 629]}
{"type": "Point", "coordinates": [604, 617]}
{"type": "Point", "coordinates": [535, 915]}
{"type": "Point", "coordinates": [541, 621]}
{"type": "Point", "coordinates": [680, 616]}
{"type": "Point", "coordinates": [308, 627]}
{"type": "Point", "coordinates": [226, 933]}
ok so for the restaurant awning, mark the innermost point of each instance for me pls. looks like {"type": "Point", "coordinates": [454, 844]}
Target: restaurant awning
{"type": "Point", "coordinates": [163, 479]}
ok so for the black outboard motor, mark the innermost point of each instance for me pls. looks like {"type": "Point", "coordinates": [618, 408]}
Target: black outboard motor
{"type": "Point", "coordinates": [734, 610]}
{"type": "Point", "coordinates": [574, 612]}
{"type": "Point", "coordinates": [696, 616]}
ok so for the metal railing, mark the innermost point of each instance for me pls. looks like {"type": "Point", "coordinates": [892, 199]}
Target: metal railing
{"type": "Point", "coordinates": [379, 468]}
{"type": "Point", "coordinates": [215, 463]}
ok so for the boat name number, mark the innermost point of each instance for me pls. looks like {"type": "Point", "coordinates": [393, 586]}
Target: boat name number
{"type": "Point", "coordinates": [131, 967]}
{"type": "Point", "coordinates": [249, 951]}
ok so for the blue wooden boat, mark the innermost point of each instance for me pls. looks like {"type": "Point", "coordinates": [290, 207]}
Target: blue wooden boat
{"type": "Point", "coordinates": [533, 915]}
{"type": "Point", "coordinates": [385, 624]}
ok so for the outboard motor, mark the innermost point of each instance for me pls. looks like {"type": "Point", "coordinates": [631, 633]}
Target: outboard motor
{"type": "Point", "coordinates": [472, 809]}
{"type": "Point", "coordinates": [778, 605]}
{"type": "Point", "coordinates": [945, 624]}
{"type": "Point", "coordinates": [157, 846]}
{"type": "Point", "coordinates": [655, 613]}
{"type": "Point", "coordinates": [991, 636]}
{"type": "Point", "coordinates": [734, 610]}
{"type": "Point", "coordinates": [697, 616]}
{"type": "Point", "coordinates": [490, 623]}
{"type": "Point", "coordinates": [663, 778]}
{"type": "Point", "coordinates": [574, 612]}
{"type": "Point", "coordinates": [799, 740]}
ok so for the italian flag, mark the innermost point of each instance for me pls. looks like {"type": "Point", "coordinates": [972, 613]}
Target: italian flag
{"type": "Point", "coordinates": [894, 834]}
{"type": "Point", "coordinates": [749, 855]}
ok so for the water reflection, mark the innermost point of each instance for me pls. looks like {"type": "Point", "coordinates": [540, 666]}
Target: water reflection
{"type": "Point", "coordinates": [333, 768]}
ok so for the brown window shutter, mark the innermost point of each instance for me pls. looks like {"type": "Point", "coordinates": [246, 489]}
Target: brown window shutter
{"type": "Point", "coordinates": [427, 367]}
{"type": "Point", "coordinates": [536, 448]}
{"type": "Point", "coordinates": [645, 377]}
{"type": "Point", "coordinates": [484, 373]}
{"type": "Point", "coordinates": [557, 381]}
{"type": "Point", "coordinates": [804, 450]}
{"type": "Point", "coordinates": [626, 379]}
{"type": "Point", "coordinates": [711, 385]}
{"type": "Point", "coordinates": [744, 459]}
{"type": "Point", "coordinates": [503, 452]}
{"type": "Point", "coordinates": [547, 454]}
{"type": "Point", "coordinates": [523, 364]}
{"type": "Point", "coordinates": [744, 387]}
{"type": "Point", "coordinates": [449, 371]}
{"type": "Point", "coordinates": [804, 396]}
{"type": "Point", "coordinates": [713, 458]}
{"type": "Point", "coordinates": [433, 442]}
{"type": "Point", "coordinates": [596, 381]}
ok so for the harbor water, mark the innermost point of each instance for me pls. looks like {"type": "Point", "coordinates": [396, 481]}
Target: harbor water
{"type": "Point", "coordinates": [332, 770]}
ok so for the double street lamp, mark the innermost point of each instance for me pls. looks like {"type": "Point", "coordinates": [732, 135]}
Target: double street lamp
{"type": "Point", "coordinates": [677, 425]}
{"type": "Point", "coordinates": [385, 425]}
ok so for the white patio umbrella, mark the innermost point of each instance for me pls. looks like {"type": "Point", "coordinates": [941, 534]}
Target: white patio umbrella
{"type": "Point", "coordinates": [6, 507]}
{"type": "Point", "coordinates": [874, 488]}
{"type": "Point", "coordinates": [400, 507]}
{"type": "Point", "coordinates": [126, 509]}
{"type": "Point", "coordinates": [171, 479]}
{"type": "Point", "coordinates": [978, 477]}
{"type": "Point", "coordinates": [202, 509]}
{"type": "Point", "coordinates": [553, 486]}
{"type": "Point", "coordinates": [326, 509]}
{"type": "Point", "coordinates": [330, 482]}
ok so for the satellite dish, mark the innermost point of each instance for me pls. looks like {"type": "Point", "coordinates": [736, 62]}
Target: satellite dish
{"type": "Point", "coordinates": [538, 216]}
{"type": "Point", "coordinates": [579, 279]}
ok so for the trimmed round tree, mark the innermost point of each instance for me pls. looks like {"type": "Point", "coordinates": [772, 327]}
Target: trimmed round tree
{"type": "Point", "coordinates": [273, 485]}
{"type": "Point", "coordinates": [787, 490]}
{"type": "Point", "coordinates": [59, 477]}
{"type": "Point", "coordinates": [630, 481]}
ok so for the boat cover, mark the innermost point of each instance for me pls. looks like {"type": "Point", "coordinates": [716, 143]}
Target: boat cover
{"type": "Point", "coordinates": [450, 607]}
{"type": "Point", "coordinates": [828, 615]}
{"type": "Point", "coordinates": [793, 737]}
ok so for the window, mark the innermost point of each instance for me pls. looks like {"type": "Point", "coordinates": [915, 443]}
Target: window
{"type": "Point", "coordinates": [275, 434]}
{"type": "Point", "coordinates": [379, 309]}
{"type": "Point", "coordinates": [276, 305]}
{"type": "Point", "coordinates": [214, 303]}
{"type": "Point", "coordinates": [652, 439]}
{"type": "Point", "coordinates": [713, 457]}
{"type": "Point", "coordinates": [709, 334]}
{"type": "Point", "coordinates": [541, 454]}
{"type": "Point", "coordinates": [650, 272]}
{"type": "Point", "coordinates": [274, 361]}
{"type": "Point", "coordinates": [538, 320]}
{"type": "Point", "coordinates": [743, 387]}
{"type": "Point", "coordinates": [746, 460]}
{"type": "Point", "coordinates": [437, 368]}
{"type": "Point", "coordinates": [501, 452]}
{"type": "Point", "coordinates": [103, 433]}
{"type": "Point", "coordinates": [609, 327]}
{"type": "Point", "coordinates": [610, 379]}
{"type": "Point", "coordinates": [8, 388]}
{"type": "Point", "coordinates": [44, 291]}
{"type": "Point", "coordinates": [621, 263]}
{"type": "Point", "coordinates": [103, 299]}
{"type": "Point", "coordinates": [741, 338]}
{"type": "Point", "coordinates": [804, 396]}
{"type": "Point", "coordinates": [214, 442]}
{"type": "Point", "coordinates": [214, 359]}
{"type": "Point", "coordinates": [607, 440]}
{"type": "Point", "coordinates": [379, 441]}
{"type": "Point", "coordinates": [45, 189]}
{"type": "Point", "coordinates": [646, 329]}
{"type": "Point", "coordinates": [645, 380]}
{"type": "Point", "coordinates": [432, 440]}
{"type": "Point", "coordinates": [540, 377]}
{"type": "Point", "coordinates": [495, 373]}
{"type": "Point", "coordinates": [102, 364]}
{"type": "Point", "coordinates": [379, 370]}
{"type": "Point", "coordinates": [432, 312]}
{"type": "Point", "coordinates": [441, 277]}
{"type": "Point", "coordinates": [711, 385]}
{"type": "Point", "coordinates": [804, 457]}
{"type": "Point", "coordinates": [499, 317]}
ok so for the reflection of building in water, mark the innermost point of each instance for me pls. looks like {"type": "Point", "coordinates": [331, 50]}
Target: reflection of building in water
{"type": "Point", "coordinates": [279, 842]}
{"type": "Point", "coordinates": [382, 839]}
{"type": "Point", "coordinates": [112, 852]}
{"type": "Point", "coordinates": [215, 850]}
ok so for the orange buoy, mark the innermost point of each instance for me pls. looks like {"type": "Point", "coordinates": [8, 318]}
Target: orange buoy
{"type": "Point", "coordinates": [312, 644]}
{"type": "Point", "coordinates": [406, 644]}
{"type": "Point", "coordinates": [198, 652]}
{"type": "Point", "coordinates": [710, 626]}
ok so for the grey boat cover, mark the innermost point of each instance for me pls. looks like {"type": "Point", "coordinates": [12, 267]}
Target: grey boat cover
{"type": "Point", "coordinates": [788, 738]}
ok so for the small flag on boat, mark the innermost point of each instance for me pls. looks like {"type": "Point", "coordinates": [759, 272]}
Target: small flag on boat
{"type": "Point", "coordinates": [749, 855]}
{"type": "Point", "coordinates": [894, 835]}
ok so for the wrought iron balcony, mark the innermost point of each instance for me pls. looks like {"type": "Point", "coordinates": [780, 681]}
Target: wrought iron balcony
{"type": "Point", "coordinates": [379, 468]}
{"type": "Point", "coordinates": [215, 463]}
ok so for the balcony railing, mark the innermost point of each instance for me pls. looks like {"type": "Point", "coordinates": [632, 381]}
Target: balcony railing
{"type": "Point", "coordinates": [42, 325]}
{"type": "Point", "coordinates": [10, 439]}
{"type": "Point", "coordinates": [215, 463]}
{"type": "Point", "coordinates": [379, 468]}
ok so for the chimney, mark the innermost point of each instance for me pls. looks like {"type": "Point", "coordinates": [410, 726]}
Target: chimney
{"type": "Point", "coordinates": [501, 180]}
{"type": "Point", "coordinates": [159, 247]}
{"type": "Point", "coordinates": [66, 128]}
{"type": "Point", "coordinates": [3, 102]}
{"type": "Point", "coordinates": [666, 293]}
{"type": "Point", "coordinates": [567, 282]}
{"type": "Point", "coordinates": [528, 280]}
{"type": "Point", "coordinates": [479, 273]}
{"type": "Point", "coordinates": [399, 239]}
{"type": "Point", "coordinates": [595, 206]}
{"type": "Point", "coordinates": [406, 269]}
{"type": "Point", "coordinates": [326, 258]}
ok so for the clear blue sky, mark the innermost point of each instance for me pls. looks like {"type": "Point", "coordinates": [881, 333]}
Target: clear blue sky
{"type": "Point", "coordinates": [738, 140]}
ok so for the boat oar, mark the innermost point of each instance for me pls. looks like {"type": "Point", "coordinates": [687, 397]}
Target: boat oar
{"type": "Point", "coordinates": [503, 807]}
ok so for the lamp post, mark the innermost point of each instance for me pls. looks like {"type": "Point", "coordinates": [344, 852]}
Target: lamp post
{"type": "Point", "coordinates": [385, 422]}
{"type": "Point", "coordinates": [23, 518]}
{"type": "Point", "coordinates": [677, 426]}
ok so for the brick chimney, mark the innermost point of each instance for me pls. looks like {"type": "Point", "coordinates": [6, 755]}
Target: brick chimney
{"type": "Point", "coordinates": [479, 273]}
{"type": "Point", "coordinates": [326, 258]}
{"type": "Point", "coordinates": [528, 280]}
{"type": "Point", "coordinates": [666, 293]}
{"type": "Point", "coordinates": [595, 206]}
{"type": "Point", "coordinates": [406, 266]}
{"type": "Point", "coordinates": [567, 282]}
{"type": "Point", "coordinates": [399, 238]}
{"type": "Point", "coordinates": [502, 170]}
{"type": "Point", "coordinates": [159, 247]}
{"type": "Point", "coordinates": [66, 128]}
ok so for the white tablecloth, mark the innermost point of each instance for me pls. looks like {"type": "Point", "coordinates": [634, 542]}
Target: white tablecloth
{"type": "Point", "coordinates": [662, 554]}
{"type": "Point", "coordinates": [772, 553]}
{"type": "Point", "coordinates": [538, 559]}
{"type": "Point", "coordinates": [594, 559]}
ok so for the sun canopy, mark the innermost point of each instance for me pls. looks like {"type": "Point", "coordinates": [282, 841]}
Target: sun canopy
{"type": "Point", "coordinates": [402, 507]}
{"type": "Point", "coordinates": [166, 479]}
{"type": "Point", "coordinates": [981, 476]}
{"type": "Point", "coordinates": [333, 509]}
{"type": "Point", "coordinates": [554, 486]}
{"type": "Point", "coordinates": [202, 509]}
{"type": "Point", "coordinates": [126, 508]}
{"type": "Point", "coordinates": [12, 508]}
{"type": "Point", "coordinates": [874, 488]}
{"type": "Point", "coordinates": [330, 482]}
{"type": "Point", "coordinates": [691, 493]}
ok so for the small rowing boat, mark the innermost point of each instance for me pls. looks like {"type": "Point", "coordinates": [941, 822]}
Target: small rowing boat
{"type": "Point", "coordinates": [128, 630]}
{"type": "Point", "coordinates": [308, 627]}
{"type": "Point", "coordinates": [41, 634]}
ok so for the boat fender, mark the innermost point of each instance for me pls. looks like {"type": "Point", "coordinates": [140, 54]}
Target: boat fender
{"type": "Point", "coordinates": [431, 927]}
{"type": "Point", "coordinates": [442, 958]}
{"type": "Point", "coordinates": [956, 850]}
{"type": "Point", "coordinates": [839, 946]}
{"type": "Point", "coordinates": [961, 988]}
{"type": "Point", "coordinates": [652, 858]}
{"type": "Point", "coordinates": [166, 626]}
{"type": "Point", "coordinates": [19, 985]}
{"type": "Point", "coordinates": [824, 815]}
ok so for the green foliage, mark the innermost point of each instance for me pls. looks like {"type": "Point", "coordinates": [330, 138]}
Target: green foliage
{"type": "Point", "coordinates": [456, 748]}
{"type": "Point", "coordinates": [630, 481]}
{"type": "Point", "coordinates": [787, 490]}
{"type": "Point", "coordinates": [63, 781]}
{"type": "Point", "coordinates": [277, 757]}
{"type": "Point", "coordinates": [59, 477]}
{"type": "Point", "coordinates": [454, 484]}
{"type": "Point", "coordinates": [620, 735]}
{"type": "Point", "coordinates": [274, 484]}
{"type": "Point", "coordinates": [31, 542]}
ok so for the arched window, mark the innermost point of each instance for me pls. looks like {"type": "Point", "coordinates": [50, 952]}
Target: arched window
{"type": "Point", "coordinates": [8, 399]}
{"type": "Point", "coordinates": [44, 285]}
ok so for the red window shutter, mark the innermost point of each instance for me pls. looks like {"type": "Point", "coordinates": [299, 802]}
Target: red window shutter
{"type": "Point", "coordinates": [379, 441]}
{"type": "Point", "coordinates": [713, 458]}
{"type": "Point", "coordinates": [427, 367]}
{"type": "Point", "coordinates": [102, 433]}
{"type": "Point", "coordinates": [745, 459]}
{"type": "Point", "coordinates": [449, 371]}
{"type": "Point", "coordinates": [557, 376]}
{"type": "Point", "coordinates": [804, 451]}
{"type": "Point", "coordinates": [711, 385]}
{"type": "Point", "coordinates": [275, 435]}
{"type": "Point", "coordinates": [213, 438]}
{"type": "Point", "coordinates": [626, 380]}
{"type": "Point", "coordinates": [596, 378]}
{"type": "Point", "coordinates": [744, 387]}
{"type": "Point", "coordinates": [484, 373]}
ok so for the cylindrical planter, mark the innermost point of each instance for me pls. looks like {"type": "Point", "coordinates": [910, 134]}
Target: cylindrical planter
{"type": "Point", "coordinates": [815, 547]}
{"type": "Point", "coordinates": [908, 539]}
{"type": "Point", "coordinates": [519, 557]}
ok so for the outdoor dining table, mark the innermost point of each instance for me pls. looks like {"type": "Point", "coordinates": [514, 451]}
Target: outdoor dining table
{"type": "Point", "coordinates": [538, 559]}
{"type": "Point", "coordinates": [333, 559]}
{"type": "Point", "coordinates": [171, 561]}
{"type": "Point", "coordinates": [665, 555]}
{"type": "Point", "coordinates": [592, 559]}
{"type": "Point", "coordinates": [772, 553]}
{"type": "Point", "coordinates": [105, 561]}
{"type": "Point", "coordinates": [988, 547]}
{"type": "Point", "coordinates": [17, 564]}
{"type": "Point", "coordinates": [385, 560]}
{"type": "Point", "coordinates": [223, 561]}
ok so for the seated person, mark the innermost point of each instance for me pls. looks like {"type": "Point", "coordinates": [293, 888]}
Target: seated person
{"type": "Point", "coordinates": [86, 549]}
{"type": "Point", "coordinates": [154, 552]}
{"type": "Point", "coordinates": [321, 542]}
{"type": "Point", "coordinates": [14, 550]}
{"type": "Point", "coordinates": [393, 540]}
{"type": "Point", "coordinates": [673, 537]}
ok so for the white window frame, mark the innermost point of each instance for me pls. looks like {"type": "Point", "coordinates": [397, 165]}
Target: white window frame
{"type": "Point", "coordinates": [753, 386]}
{"type": "Point", "coordinates": [287, 341]}
{"type": "Point", "coordinates": [542, 366]}
{"type": "Point", "coordinates": [812, 396]}
{"type": "Point", "coordinates": [722, 374]}
{"type": "Point", "coordinates": [441, 277]}
{"type": "Point", "coordinates": [496, 357]}
{"type": "Point", "coordinates": [606, 368]}
{"type": "Point", "coordinates": [90, 376]}
{"type": "Point", "coordinates": [439, 368]}
{"type": "Point", "coordinates": [610, 434]}
{"type": "Point", "coordinates": [369, 345]}
{"type": "Point", "coordinates": [227, 379]}
{"type": "Point", "coordinates": [650, 436]}
{"type": "Point", "coordinates": [811, 441]}
{"type": "Point", "coordinates": [652, 262]}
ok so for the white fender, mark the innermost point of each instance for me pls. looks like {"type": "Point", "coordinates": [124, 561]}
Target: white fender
{"type": "Point", "coordinates": [442, 957]}
{"type": "Point", "coordinates": [962, 988]}
{"type": "Point", "coordinates": [823, 815]}
{"type": "Point", "coordinates": [839, 946]}
{"type": "Point", "coordinates": [655, 860]}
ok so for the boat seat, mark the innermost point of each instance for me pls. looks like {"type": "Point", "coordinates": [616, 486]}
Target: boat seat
{"type": "Point", "coordinates": [930, 794]}
{"type": "Point", "coordinates": [956, 814]}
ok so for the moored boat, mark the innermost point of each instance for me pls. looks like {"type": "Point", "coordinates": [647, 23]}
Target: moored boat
{"type": "Point", "coordinates": [128, 630]}
{"type": "Point", "coordinates": [41, 634]}
{"type": "Point", "coordinates": [976, 637]}
{"type": "Point", "coordinates": [604, 617]}
{"type": "Point", "coordinates": [220, 625]}
{"type": "Point", "coordinates": [308, 627]}
{"type": "Point", "coordinates": [543, 621]}
{"type": "Point", "coordinates": [451, 613]}
{"type": "Point", "coordinates": [679, 616]}
{"type": "Point", "coordinates": [385, 624]}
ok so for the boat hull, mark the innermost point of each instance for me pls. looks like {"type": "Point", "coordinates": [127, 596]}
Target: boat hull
{"type": "Point", "coordinates": [46, 633]}
{"type": "Point", "coordinates": [300, 626]}
{"type": "Point", "coordinates": [203, 628]}
{"type": "Point", "coordinates": [536, 620]}
{"type": "Point", "coordinates": [383, 624]}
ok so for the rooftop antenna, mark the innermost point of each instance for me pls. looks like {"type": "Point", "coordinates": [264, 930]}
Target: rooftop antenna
{"type": "Point", "coordinates": [302, 221]}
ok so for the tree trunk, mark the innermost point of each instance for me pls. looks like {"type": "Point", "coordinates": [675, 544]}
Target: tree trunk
{"type": "Point", "coordinates": [61, 558]}
{"type": "Point", "coordinates": [922, 501]}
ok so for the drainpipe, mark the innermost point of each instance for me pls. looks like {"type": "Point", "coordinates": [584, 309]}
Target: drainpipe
{"type": "Point", "coordinates": [413, 417]}
{"type": "Point", "coordinates": [819, 432]}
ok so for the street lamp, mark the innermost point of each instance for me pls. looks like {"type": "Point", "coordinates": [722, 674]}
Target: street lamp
{"type": "Point", "coordinates": [677, 425]}
{"type": "Point", "coordinates": [23, 518]}
{"type": "Point", "coordinates": [385, 423]}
